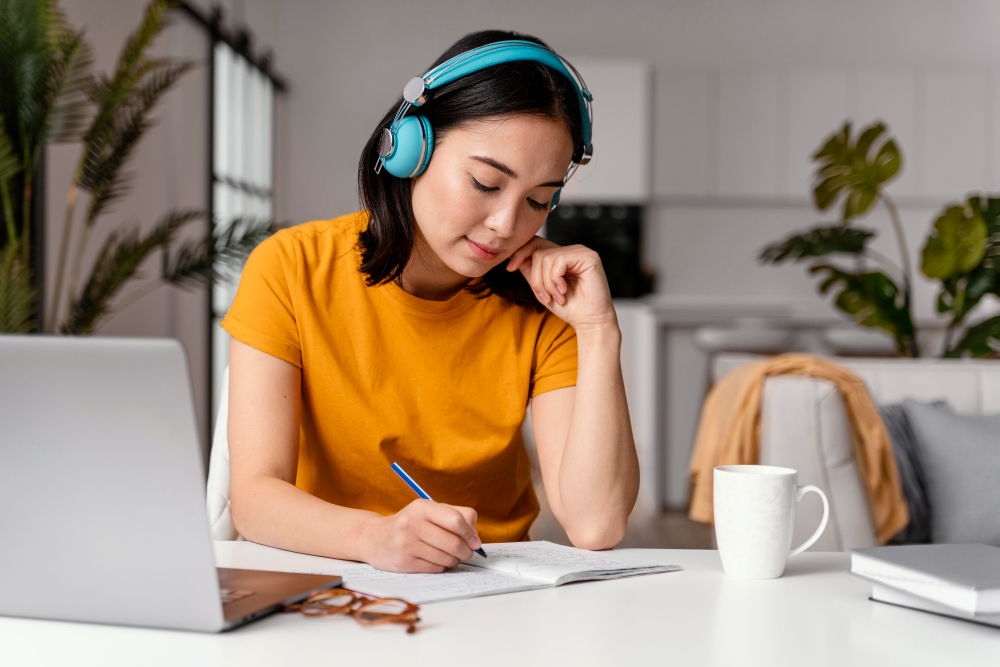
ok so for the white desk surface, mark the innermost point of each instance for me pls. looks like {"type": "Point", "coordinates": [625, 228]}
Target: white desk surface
{"type": "Point", "coordinates": [816, 614]}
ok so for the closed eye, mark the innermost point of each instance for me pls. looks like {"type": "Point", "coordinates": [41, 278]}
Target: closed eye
{"type": "Point", "coordinates": [531, 202]}
{"type": "Point", "coordinates": [482, 187]}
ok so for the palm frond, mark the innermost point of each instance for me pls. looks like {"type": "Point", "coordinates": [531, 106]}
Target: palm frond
{"type": "Point", "coordinates": [153, 21]}
{"type": "Point", "coordinates": [18, 294]}
{"type": "Point", "coordinates": [117, 262]}
{"type": "Point", "coordinates": [109, 93]}
{"type": "Point", "coordinates": [43, 64]}
{"type": "Point", "coordinates": [72, 108]}
{"type": "Point", "coordinates": [103, 172]}
{"type": "Point", "coordinates": [21, 43]}
{"type": "Point", "coordinates": [10, 164]}
{"type": "Point", "coordinates": [147, 91]}
{"type": "Point", "coordinates": [206, 260]}
{"type": "Point", "coordinates": [24, 59]}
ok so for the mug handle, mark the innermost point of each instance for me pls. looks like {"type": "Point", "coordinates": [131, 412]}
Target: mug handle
{"type": "Point", "coordinates": [800, 492]}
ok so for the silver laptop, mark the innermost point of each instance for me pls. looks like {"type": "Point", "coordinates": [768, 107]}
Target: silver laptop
{"type": "Point", "coordinates": [102, 492]}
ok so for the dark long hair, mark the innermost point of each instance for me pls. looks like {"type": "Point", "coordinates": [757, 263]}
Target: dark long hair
{"type": "Point", "coordinates": [508, 89]}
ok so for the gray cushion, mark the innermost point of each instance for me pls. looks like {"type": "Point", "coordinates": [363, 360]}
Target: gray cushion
{"type": "Point", "coordinates": [911, 475]}
{"type": "Point", "coordinates": [960, 457]}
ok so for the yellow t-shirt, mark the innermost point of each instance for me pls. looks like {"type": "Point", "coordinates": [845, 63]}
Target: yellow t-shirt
{"type": "Point", "coordinates": [439, 386]}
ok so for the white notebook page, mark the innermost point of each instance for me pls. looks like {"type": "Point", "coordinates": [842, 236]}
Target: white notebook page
{"type": "Point", "coordinates": [517, 566]}
{"type": "Point", "coordinates": [555, 564]}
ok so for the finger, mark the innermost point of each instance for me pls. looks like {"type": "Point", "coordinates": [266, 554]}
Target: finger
{"type": "Point", "coordinates": [433, 555]}
{"type": "Point", "coordinates": [559, 275]}
{"type": "Point", "coordinates": [523, 253]}
{"type": "Point", "coordinates": [416, 565]}
{"type": "Point", "coordinates": [537, 285]}
{"type": "Point", "coordinates": [470, 518]}
{"type": "Point", "coordinates": [525, 269]}
{"type": "Point", "coordinates": [550, 266]}
{"type": "Point", "coordinates": [443, 540]}
{"type": "Point", "coordinates": [449, 518]}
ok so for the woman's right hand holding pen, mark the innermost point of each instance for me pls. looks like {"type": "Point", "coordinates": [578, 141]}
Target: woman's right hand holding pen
{"type": "Point", "coordinates": [424, 536]}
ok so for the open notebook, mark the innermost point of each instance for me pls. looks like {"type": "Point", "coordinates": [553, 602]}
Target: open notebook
{"type": "Point", "coordinates": [511, 567]}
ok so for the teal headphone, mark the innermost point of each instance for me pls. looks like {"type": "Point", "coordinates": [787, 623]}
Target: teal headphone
{"type": "Point", "coordinates": [405, 146]}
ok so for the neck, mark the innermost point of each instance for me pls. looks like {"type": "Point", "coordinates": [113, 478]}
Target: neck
{"type": "Point", "coordinates": [426, 277]}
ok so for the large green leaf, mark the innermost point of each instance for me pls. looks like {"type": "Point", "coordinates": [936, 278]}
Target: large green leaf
{"type": "Point", "coordinates": [818, 242]}
{"type": "Point", "coordinates": [956, 244]}
{"type": "Point", "coordinates": [873, 300]}
{"type": "Point", "coordinates": [964, 288]}
{"type": "Point", "coordinates": [982, 340]}
{"type": "Point", "coordinates": [847, 167]}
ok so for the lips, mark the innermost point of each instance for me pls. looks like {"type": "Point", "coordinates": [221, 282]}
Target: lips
{"type": "Point", "coordinates": [481, 252]}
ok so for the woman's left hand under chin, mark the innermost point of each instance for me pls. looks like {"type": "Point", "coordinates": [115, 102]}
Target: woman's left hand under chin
{"type": "Point", "coordinates": [568, 280]}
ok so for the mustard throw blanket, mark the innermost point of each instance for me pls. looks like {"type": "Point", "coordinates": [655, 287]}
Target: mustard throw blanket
{"type": "Point", "coordinates": [729, 434]}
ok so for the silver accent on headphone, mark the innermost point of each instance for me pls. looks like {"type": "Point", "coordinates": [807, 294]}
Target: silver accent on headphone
{"type": "Point", "coordinates": [387, 140]}
{"type": "Point", "coordinates": [414, 91]}
{"type": "Point", "coordinates": [385, 143]}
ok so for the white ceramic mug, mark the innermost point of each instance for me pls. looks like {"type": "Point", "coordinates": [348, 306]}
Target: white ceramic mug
{"type": "Point", "coordinates": [754, 518]}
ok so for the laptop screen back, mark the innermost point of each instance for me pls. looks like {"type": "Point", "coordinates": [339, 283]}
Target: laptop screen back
{"type": "Point", "coordinates": [102, 489]}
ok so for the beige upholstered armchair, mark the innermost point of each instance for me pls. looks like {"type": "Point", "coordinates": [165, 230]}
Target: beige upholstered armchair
{"type": "Point", "coordinates": [804, 426]}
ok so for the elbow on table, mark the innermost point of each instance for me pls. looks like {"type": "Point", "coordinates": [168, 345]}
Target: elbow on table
{"type": "Point", "coordinates": [238, 513]}
{"type": "Point", "coordinates": [242, 512]}
{"type": "Point", "coordinates": [597, 536]}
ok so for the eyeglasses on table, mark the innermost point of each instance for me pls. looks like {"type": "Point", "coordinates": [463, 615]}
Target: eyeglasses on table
{"type": "Point", "coordinates": [365, 610]}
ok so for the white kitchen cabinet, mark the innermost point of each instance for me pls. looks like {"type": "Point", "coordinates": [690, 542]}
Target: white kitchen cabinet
{"type": "Point", "coordinates": [620, 170]}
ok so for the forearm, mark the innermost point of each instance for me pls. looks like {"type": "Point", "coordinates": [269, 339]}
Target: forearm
{"type": "Point", "coordinates": [599, 470]}
{"type": "Point", "coordinates": [274, 512]}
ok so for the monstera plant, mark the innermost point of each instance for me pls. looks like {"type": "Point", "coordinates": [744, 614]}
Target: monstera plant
{"type": "Point", "coordinates": [962, 251]}
{"type": "Point", "coordinates": [48, 94]}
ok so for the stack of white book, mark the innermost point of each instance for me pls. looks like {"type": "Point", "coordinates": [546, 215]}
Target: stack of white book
{"type": "Point", "coordinates": [959, 580]}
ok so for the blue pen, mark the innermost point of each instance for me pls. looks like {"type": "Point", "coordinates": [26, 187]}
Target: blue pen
{"type": "Point", "coordinates": [423, 494]}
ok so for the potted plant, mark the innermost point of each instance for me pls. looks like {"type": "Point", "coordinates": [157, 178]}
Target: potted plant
{"type": "Point", "coordinates": [962, 250]}
{"type": "Point", "coordinates": [48, 94]}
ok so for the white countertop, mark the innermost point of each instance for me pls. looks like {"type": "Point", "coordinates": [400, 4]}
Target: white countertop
{"type": "Point", "coordinates": [816, 614]}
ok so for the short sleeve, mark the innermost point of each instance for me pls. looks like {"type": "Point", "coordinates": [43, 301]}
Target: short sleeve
{"type": "Point", "coordinates": [555, 356]}
{"type": "Point", "coordinates": [263, 312]}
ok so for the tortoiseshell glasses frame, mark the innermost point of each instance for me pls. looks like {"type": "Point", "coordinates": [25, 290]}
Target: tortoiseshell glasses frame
{"type": "Point", "coordinates": [364, 609]}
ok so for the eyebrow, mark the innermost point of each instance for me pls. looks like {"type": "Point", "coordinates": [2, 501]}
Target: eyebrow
{"type": "Point", "coordinates": [500, 166]}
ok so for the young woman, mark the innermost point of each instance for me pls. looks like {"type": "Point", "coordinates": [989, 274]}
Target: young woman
{"type": "Point", "coordinates": [418, 330]}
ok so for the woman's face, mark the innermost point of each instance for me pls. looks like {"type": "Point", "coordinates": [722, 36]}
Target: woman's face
{"type": "Point", "coordinates": [487, 189]}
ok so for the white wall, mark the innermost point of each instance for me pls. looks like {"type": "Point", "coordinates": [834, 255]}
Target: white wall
{"type": "Point", "coordinates": [170, 171]}
{"type": "Point", "coordinates": [743, 93]}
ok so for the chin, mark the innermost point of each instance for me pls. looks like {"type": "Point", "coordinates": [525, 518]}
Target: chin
{"type": "Point", "coordinates": [471, 269]}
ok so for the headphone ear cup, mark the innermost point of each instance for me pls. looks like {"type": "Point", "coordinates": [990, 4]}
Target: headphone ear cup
{"type": "Point", "coordinates": [555, 200]}
{"type": "Point", "coordinates": [411, 151]}
{"type": "Point", "coordinates": [428, 145]}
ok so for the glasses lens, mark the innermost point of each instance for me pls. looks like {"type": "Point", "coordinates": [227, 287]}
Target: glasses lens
{"type": "Point", "coordinates": [329, 602]}
{"type": "Point", "coordinates": [380, 609]}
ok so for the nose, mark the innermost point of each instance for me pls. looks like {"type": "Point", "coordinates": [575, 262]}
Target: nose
{"type": "Point", "coordinates": [503, 221]}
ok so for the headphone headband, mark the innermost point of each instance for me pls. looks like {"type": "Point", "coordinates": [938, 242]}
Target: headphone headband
{"type": "Point", "coordinates": [495, 53]}
{"type": "Point", "coordinates": [415, 93]}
